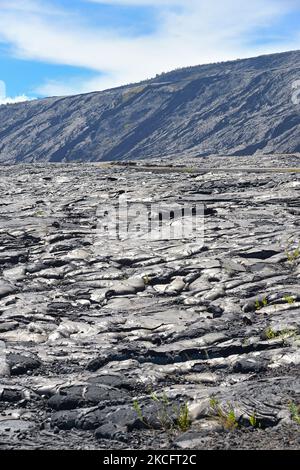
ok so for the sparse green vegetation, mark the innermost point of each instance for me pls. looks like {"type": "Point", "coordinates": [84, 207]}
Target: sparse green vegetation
{"type": "Point", "coordinates": [253, 420]}
{"type": "Point", "coordinates": [139, 412]}
{"type": "Point", "coordinates": [146, 280]}
{"type": "Point", "coordinates": [39, 213]}
{"type": "Point", "coordinates": [227, 417]}
{"type": "Point", "coordinates": [295, 412]}
{"type": "Point", "coordinates": [163, 412]}
{"type": "Point", "coordinates": [292, 254]}
{"type": "Point", "coordinates": [183, 420]}
{"type": "Point", "coordinates": [260, 304]}
{"type": "Point", "coordinates": [271, 334]}
{"type": "Point", "coordinates": [213, 403]}
{"type": "Point", "coordinates": [171, 418]}
{"type": "Point", "coordinates": [189, 170]}
{"type": "Point", "coordinates": [289, 299]}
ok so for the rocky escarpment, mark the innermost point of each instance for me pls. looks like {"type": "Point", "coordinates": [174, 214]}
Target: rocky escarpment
{"type": "Point", "coordinates": [238, 108]}
{"type": "Point", "coordinates": [159, 343]}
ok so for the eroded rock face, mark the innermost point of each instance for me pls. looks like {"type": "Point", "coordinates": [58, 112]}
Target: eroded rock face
{"type": "Point", "coordinates": [99, 335]}
{"type": "Point", "coordinates": [240, 107]}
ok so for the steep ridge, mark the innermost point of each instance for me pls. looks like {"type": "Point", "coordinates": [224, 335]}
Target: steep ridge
{"type": "Point", "coordinates": [237, 108]}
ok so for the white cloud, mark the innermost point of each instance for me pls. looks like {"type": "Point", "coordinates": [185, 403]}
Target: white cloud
{"type": "Point", "coordinates": [8, 100]}
{"type": "Point", "coordinates": [31, 6]}
{"type": "Point", "coordinates": [200, 31]}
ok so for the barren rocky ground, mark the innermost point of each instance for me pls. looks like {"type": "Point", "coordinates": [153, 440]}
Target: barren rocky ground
{"type": "Point", "coordinates": [108, 344]}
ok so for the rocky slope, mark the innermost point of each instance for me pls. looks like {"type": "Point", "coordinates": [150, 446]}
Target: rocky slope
{"type": "Point", "coordinates": [239, 107]}
{"type": "Point", "coordinates": [113, 344]}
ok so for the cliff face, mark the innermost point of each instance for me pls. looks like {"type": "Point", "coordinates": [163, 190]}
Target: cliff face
{"type": "Point", "coordinates": [236, 108]}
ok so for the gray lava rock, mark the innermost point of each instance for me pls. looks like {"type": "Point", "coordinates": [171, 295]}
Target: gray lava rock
{"type": "Point", "coordinates": [76, 396]}
{"type": "Point", "coordinates": [20, 364]}
{"type": "Point", "coordinates": [90, 323]}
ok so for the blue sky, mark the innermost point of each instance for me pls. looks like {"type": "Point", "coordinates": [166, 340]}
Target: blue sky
{"type": "Point", "coordinates": [61, 47]}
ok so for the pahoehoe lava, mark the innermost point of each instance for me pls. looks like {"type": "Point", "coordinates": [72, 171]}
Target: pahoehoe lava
{"type": "Point", "coordinates": [91, 326]}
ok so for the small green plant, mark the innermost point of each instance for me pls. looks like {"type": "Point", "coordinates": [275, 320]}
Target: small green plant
{"type": "Point", "coordinates": [295, 412]}
{"type": "Point", "coordinates": [259, 305]}
{"type": "Point", "coordinates": [139, 412]}
{"type": "Point", "coordinates": [213, 402]}
{"type": "Point", "coordinates": [271, 334]}
{"type": "Point", "coordinates": [293, 255]}
{"type": "Point", "coordinates": [289, 299]}
{"type": "Point", "coordinates": [253, 420]}
{"type": "Point", "coordinates": [265, 302]}
{"type": "Point", "coordinates": [188, 170]}
{"type": "Point", "coordinates": [163, 413]}
{"type": "Point", "coordinates": [170, 418]}
{"type": "Point", "coordinates": [226, 417]}
{"type": "Point", "coordinates": [183, 420]}
{"type": "Point", "coordinates": [39, 213]}
{"type": "Point", "coordinates": [146, 280]}
{"type": "Point", "coordinates": [154, 397]}
{"type": "Point", "coordinates": [231, 421]}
